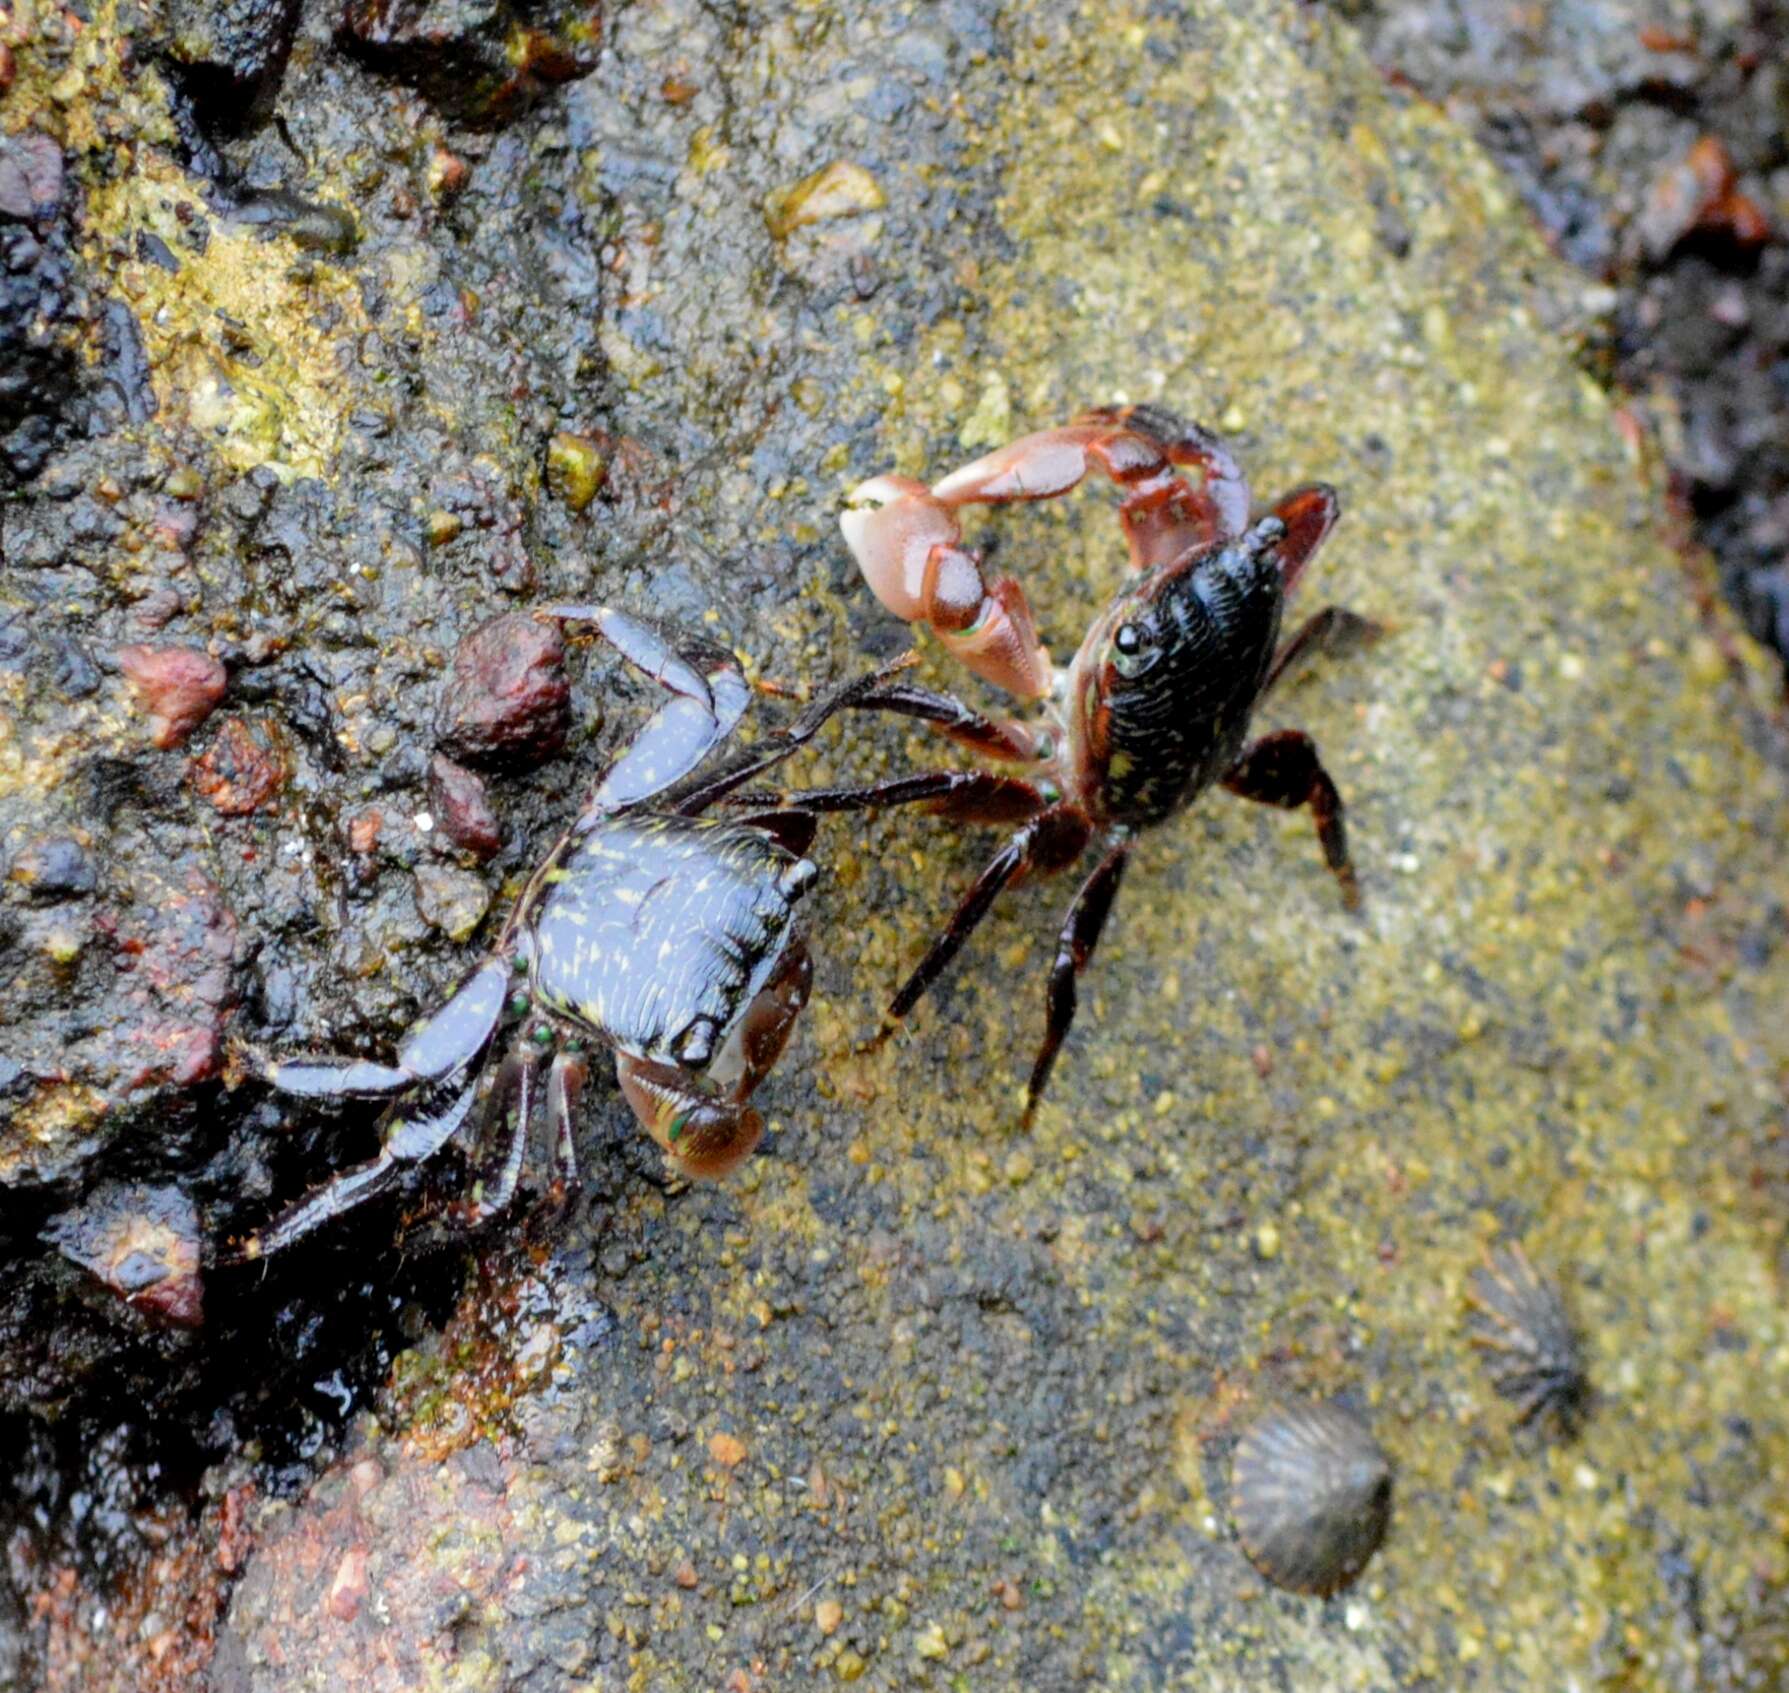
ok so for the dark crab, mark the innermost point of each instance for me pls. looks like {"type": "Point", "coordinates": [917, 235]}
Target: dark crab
{"type": "Point", "coordinates": [1155, 707]}
{"type": "Point", "coordinates": [667, 935]}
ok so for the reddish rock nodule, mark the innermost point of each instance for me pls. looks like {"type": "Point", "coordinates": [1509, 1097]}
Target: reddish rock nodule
{"type": "Point", "coordinates": [178, 686]}
{"type": "Point", "coordinates": [507, 704]}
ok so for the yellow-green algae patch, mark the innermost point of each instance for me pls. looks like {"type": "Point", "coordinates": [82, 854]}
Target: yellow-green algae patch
{"type": "Point", "coordinates": [242, 340]}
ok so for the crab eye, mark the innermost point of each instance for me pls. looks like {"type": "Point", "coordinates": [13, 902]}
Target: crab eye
{"type": "Point", "coordinates": [1133, 649]}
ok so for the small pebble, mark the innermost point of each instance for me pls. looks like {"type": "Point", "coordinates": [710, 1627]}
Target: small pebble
{"type": "Point", "coordinates": [242, 770]}
{"type": "Point", "coordinates": [506, 704]}
{"type": "Point", "coordinates": [30, 176]}
{"type": "Point", "coordinates": [142, 1243]}
{"type": "Point", "coordinates": [447, 173]}
{"type": "Point", "coordinates": [56, 867]}
{"type": "Point", "coordinates": [453, 901]}
{"type": "Point", "coordinates": [727, 1450]}
{"type": "Point", "coordinates": [576, 469]}
{"type": "Point", "coordinates": [458, 802]}
{"type": "Point", "coordinates": [178, 686]}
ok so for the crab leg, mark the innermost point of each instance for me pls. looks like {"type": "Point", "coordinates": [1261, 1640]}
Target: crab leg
{"type": "Point", "coordinates": [709, 695]}
{"type": "Point", "coordinates": [996, 737]}
{"type": "Point", "coordinates": [782, 743]}
{"type": "Point", "coordinates": [565, 1081]}
{"type": "Point", "coordinates": [442, 1043]}
{"type": "Point", "coordinates": [1333, 629]}
{"type": "Point", "coordinates": [1141, 448]}
{"type": "Point", "coordinates": [1283, 770]}
{"type": "Point", "coordinates": [518, 1075]}
{"type": "Point", "coordinates": [405, 1141]}
{"type": "Point", "coordinates": [1080, 935]}
{"type": "Point", "coordinates": [1049, 842]}
{"type": "Point", "coordinates": [966, 796]}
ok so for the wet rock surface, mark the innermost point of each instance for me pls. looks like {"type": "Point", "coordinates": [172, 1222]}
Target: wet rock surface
{"type": "Point", "coordinates": [229, 56]}
{"type": "Point", "coordinates": [914, 1400]}
{"type": "Point", "coordinates": [40, 305]}
{"type": "Point", "coordinates": [1652, 146]}
{"type": "Point", "coordinates": [483, 61]}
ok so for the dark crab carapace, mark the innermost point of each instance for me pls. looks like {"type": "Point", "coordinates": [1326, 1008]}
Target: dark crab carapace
{"type": "Point", "coordinates": [1154, 708]}
{"type": "Point", "coordinates": [667, 935]}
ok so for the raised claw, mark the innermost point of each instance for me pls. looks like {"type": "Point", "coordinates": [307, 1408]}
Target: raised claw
{"type": "Point", "coordinates": [908, 545]}
{"type": "Point", "coordinates": [891, 525]}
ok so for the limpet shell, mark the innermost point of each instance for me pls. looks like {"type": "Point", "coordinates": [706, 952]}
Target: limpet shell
{"type": "Point", "coordinates": [1531, 1347]}
{"type": "Point", "coordinates": [1311, 1494]}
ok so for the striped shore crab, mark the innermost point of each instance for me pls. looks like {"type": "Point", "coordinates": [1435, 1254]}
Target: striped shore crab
{"type": "Point", "coordinates": [1155, 706]}
{"type": "Point", "coordinates": [668, 935]}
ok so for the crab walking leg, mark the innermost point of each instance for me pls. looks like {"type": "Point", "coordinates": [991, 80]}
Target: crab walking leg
{"type": "Point", "coordinates": [995, 737]}
{"type": "Point", "coordinates": [406, 1141]}
{"type": "Point", "coordinates": [965, 796]}
{"type": "Point", "coordinates": [516, 1076]}
{"type": "Point", "coordinates": [1283, 770]}
{"type": "Point", "coordinates": [441, 1044]}
{"type": "Point", "coordinates": [1334, 629]}
{"type": "Point", "coordinates": [1080, 935]}
{"type": "Point", "coordinates": [1049, 842]}
{"type": "Point", "coordinates": [565, 1082]}
{"type": "Point", "coordinates": [709, 695]}
{"type": "Point", "coordinates": [783, 743]}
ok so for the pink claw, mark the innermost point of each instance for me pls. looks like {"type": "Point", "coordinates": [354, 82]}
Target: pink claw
{"type": "Point", "coordinates": [891, 528]}
{"type": "Point", "coordinates": [907, 544]}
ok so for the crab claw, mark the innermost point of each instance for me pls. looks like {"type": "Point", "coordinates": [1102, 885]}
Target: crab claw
{"type": "Point", "coordinates": [907, 544]}
{"type": "Point", "coordinates": [701, 1136]}
{"type": "Point", "coordinates": [891, 526]}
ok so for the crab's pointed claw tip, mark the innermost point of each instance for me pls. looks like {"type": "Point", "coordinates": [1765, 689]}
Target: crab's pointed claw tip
{"type": "Point", "coordinates": [858, 521]}
{"type": "Point", "coordinates": [882, 490]}
{"type": "Point", "coordinates": [853, 525]}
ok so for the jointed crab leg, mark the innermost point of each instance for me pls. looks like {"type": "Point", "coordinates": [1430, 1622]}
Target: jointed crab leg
{"type": "Point", "coordinates": [1283, 770]}
{"type": "Point", "coordinates": [1050, 842]}
{"type": "Point", "coordinates": [1142, 449]}
{"type": "Point", "coordinates": [1333, 629]}
{"type": "Point", "coordinates": [864, 692]}
{"type": "Point", "coordinates": [442, 1043]}
{"type": "Point", "coordinates": [709, 695]}
{"type": "Point", "coordinates": [517, 1075]}
{"type": "Point", "coordinates": [995, 737]}
{"type": "Point", "coordinates": [1080, 935]}
{"type": "Point", "coordinates": [565, 1080]}
{"type": "Point", "coordinates": [404, 1141]}
{"type": "Point", "coordinates": [965, 796]}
